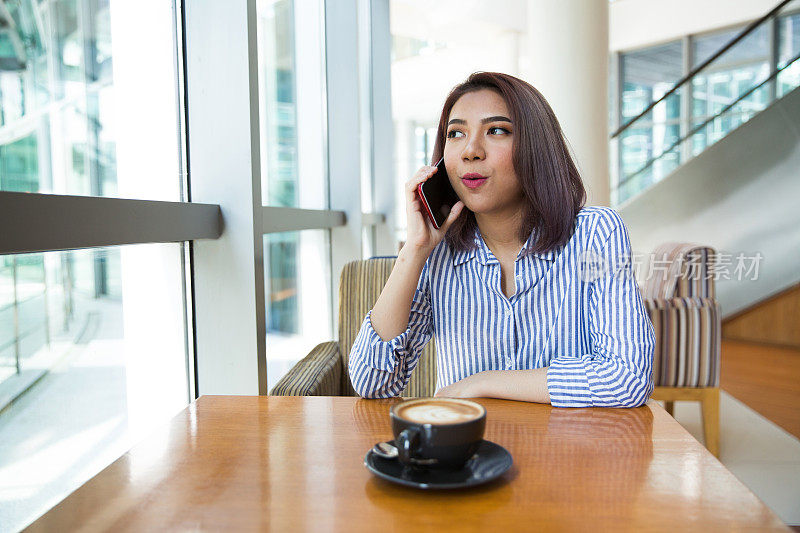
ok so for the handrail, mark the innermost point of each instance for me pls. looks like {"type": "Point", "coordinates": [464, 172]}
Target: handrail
{"type": "Point", "coordinates": [692, 73]}
{"type": "Point", "coordinates": [24, 300]}
{"type": "Point", "coordinates": [697, 128]}
{"type": "Point", "coordinates": [21, 336]}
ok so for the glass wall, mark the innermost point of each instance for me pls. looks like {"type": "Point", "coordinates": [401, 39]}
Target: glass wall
{"type": "Point", "coordinates": [63, 126]}
{"type": "Point", "coordinates": [724, 94]}
{"type": "Point", "coordinates": [293, 174]}
{"type": "Point", "coordinates": [646, 76]}
{"type": "Point", "coordinates": [727, 78]}
{"type": "Point", "coordinates": [93, 348]}
{"type": "Point", "coordinates": [297, 274]}
{"type": "Point", "coordinates": [89, 365]}
{"type": "Point", "coordinates": [291, 70]}
{"type": "Point", "coordinates": [788, 51]}
{"type": "Point", "coordinates": [279, 112]}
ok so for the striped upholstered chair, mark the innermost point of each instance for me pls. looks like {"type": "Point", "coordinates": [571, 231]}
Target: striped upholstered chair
{"type": "Point", "coordinates": [680, 296]}
{"type": "Point", "coordinates": [323, 372]}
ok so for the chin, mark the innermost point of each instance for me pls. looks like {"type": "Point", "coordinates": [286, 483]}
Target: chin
{"type": "Point", "coordinates": [479, 208]}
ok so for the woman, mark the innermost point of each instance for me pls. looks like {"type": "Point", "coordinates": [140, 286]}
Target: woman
{"type": "Point", "coordinates": [530, 294]}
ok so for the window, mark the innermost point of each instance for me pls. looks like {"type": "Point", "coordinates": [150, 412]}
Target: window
{"type": "Point", "coordinates": [788, 50]}
{"type": "Point", "coordinates": [297, 273]}
{"type": "Point", "coordinates": [647, 75]}
{"type": "Point", "coordinates": [85, 115]}
{"type": "Point", "coordinates": [293, 174]}
{"type": "Point", "coordinates": [92, 357]}
{"type": "Point", "coordinates": [727, 78]}
{"type": "Point", "coordinates": [92, 126]}
{"type": "Point", "coordinates": [724, 94]}
{"type": "Point", "coordinates": [93, 342]}
{"type": "Point", "coordinates": [290, 71]}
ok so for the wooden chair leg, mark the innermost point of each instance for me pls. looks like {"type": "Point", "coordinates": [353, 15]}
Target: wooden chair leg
{"type": "Point", "coordinates": [670, 408]}
{"type": "Point", "coordinates": [710, 408]}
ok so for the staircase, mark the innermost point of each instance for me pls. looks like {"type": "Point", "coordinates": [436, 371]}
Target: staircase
{"type": "Point", "coordinates": [740, 195]}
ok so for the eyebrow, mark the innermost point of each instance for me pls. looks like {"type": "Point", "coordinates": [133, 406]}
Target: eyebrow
{"type": "Point", "coordinates": [497, 118]}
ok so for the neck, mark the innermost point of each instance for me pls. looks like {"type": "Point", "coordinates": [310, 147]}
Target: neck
{"type": "Point", "coordinates": [500, 231]}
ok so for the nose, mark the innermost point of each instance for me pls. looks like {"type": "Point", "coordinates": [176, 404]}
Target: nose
{"type": "Point", "coordinates": [473, 149]}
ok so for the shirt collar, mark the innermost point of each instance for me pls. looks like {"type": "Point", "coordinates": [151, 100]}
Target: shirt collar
{"type": "Point", "coordinates": [483, 254]}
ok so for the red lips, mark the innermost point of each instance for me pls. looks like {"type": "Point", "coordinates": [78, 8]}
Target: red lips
{"type": "Point", "coordinates": [472, 176]}
{"type": "Point", "coordinates": [473, 180]}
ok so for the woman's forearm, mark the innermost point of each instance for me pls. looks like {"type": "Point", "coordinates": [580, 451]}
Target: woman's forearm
{"type": "Point", "coordinates": [521, 385]}
{"type": "Point", "coordinates": [391, 311]}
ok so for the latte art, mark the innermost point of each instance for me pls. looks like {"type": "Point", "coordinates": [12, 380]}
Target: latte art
{"type": "Point", "coordinates": [440, 412]}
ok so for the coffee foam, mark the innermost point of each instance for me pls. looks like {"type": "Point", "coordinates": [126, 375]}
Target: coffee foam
{"type": "Point", "coordinates": [439, 412]}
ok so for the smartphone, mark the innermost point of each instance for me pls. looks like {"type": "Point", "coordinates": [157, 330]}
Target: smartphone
{"type": "Point", "coordinates": [437, 195]}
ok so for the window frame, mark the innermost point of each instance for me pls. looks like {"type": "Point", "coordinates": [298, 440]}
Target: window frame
{"type": "Point", "coordinates": [222, 218]}
{"type": "Point", "coordinates": [231, 357]}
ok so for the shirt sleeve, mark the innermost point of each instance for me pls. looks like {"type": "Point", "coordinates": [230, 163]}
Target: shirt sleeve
{"type": "Point", "coordinates": [381, 369]}
{"type": "Point", "coordinates": [618, 371]}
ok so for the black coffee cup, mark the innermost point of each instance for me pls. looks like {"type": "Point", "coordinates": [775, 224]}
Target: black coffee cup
{"type": "Point", "coordinates": [437, 432]}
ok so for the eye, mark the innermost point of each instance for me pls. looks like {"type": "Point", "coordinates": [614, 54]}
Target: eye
{"type": "Point", "coordinates": [498, 128]}
{"type": "Point", "coordinates": [452, 134]}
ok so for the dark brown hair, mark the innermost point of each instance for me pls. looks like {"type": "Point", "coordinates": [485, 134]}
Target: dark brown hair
{"type": "Point", "coordinates": [542, 162]}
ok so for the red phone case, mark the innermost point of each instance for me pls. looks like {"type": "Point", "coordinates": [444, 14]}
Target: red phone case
{"type": "Point", "coordinates": [424, 202]}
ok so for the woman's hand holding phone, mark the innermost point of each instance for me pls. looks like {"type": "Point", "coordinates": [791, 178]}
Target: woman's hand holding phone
{"type": "Point", "coordinates": [391, 312]}
{"type": "Point", "coordinates": [422, 236]}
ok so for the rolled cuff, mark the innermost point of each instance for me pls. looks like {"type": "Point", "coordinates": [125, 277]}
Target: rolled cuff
{"type": "Point", "coordinates": [568, 384]}
{"type": "Point", "coordinates": [384, 355]}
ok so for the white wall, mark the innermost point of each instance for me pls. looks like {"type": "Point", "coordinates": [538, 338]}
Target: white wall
{"type": "Point", "coordinates": [488, 36]}
{"type": "Point", "coordinates": [566, 52]}
{"type": "Point", "coordinates": [421, 84]}
{"type": "Point", "coordinates": [480, 35]}
{"type": "Point", "coordinates": [639, 23]}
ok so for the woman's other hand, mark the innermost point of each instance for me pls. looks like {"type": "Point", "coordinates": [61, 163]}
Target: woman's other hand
{"type": "Point", "coordinates": [422, 237]}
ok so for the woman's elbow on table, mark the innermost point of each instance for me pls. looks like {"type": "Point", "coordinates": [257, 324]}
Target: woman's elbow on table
{"type": "Point", "coordinates": [365, 388]}
{"type": "Point", "coordinates": [369, 382]}
{"type": "Point", "coordinates": [359, 377]}
{"type": "Point", "coordinates": [637, 392]}
{"type": "Point", "coordinates": [638, 399]}
{"type": "Point", "coordinates": [365, 391]}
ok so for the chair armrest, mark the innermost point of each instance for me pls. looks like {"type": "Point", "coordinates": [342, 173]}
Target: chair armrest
{"type": "Point", "coordinates": [317, 374]}
{"type": "Point", "coordinates": [688, 339]}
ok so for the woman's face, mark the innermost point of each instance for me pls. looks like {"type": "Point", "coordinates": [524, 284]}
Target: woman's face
{"type": "Point", "coordinates": [478, 142]}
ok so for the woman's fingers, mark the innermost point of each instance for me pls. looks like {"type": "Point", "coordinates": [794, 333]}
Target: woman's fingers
{"type": "Point", "coordinates": [455, 212]}
{"type": "Point", "coordinates": [421, 176]}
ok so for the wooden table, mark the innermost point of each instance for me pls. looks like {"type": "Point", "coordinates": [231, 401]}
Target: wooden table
{"type": "Point", "coordinates": [295, 463]}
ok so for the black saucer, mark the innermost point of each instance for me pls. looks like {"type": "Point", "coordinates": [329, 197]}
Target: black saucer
{"type": "Point", "coordinates": [489, 462]}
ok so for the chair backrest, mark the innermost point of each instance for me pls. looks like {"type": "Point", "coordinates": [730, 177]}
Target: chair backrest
{"type": "Point", "coordinates": [360, 285]}
{"type": "Point", "coordinates": [680, 269]}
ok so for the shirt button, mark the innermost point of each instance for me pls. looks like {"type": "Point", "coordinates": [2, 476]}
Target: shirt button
{"type": "Point", "coordinates": [519, 276]}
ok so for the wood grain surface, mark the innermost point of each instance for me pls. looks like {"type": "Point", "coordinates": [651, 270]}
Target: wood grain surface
{"type": "Point", "coordinates": [296, 464]}
{"type": "Point", "coordinates": [771, 321]}
{"type": "Point", "coordinates": [766, 378]}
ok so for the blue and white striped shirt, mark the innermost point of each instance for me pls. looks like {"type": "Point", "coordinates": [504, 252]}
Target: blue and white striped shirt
{"type": "Point", "coordinates": [576, 309]}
